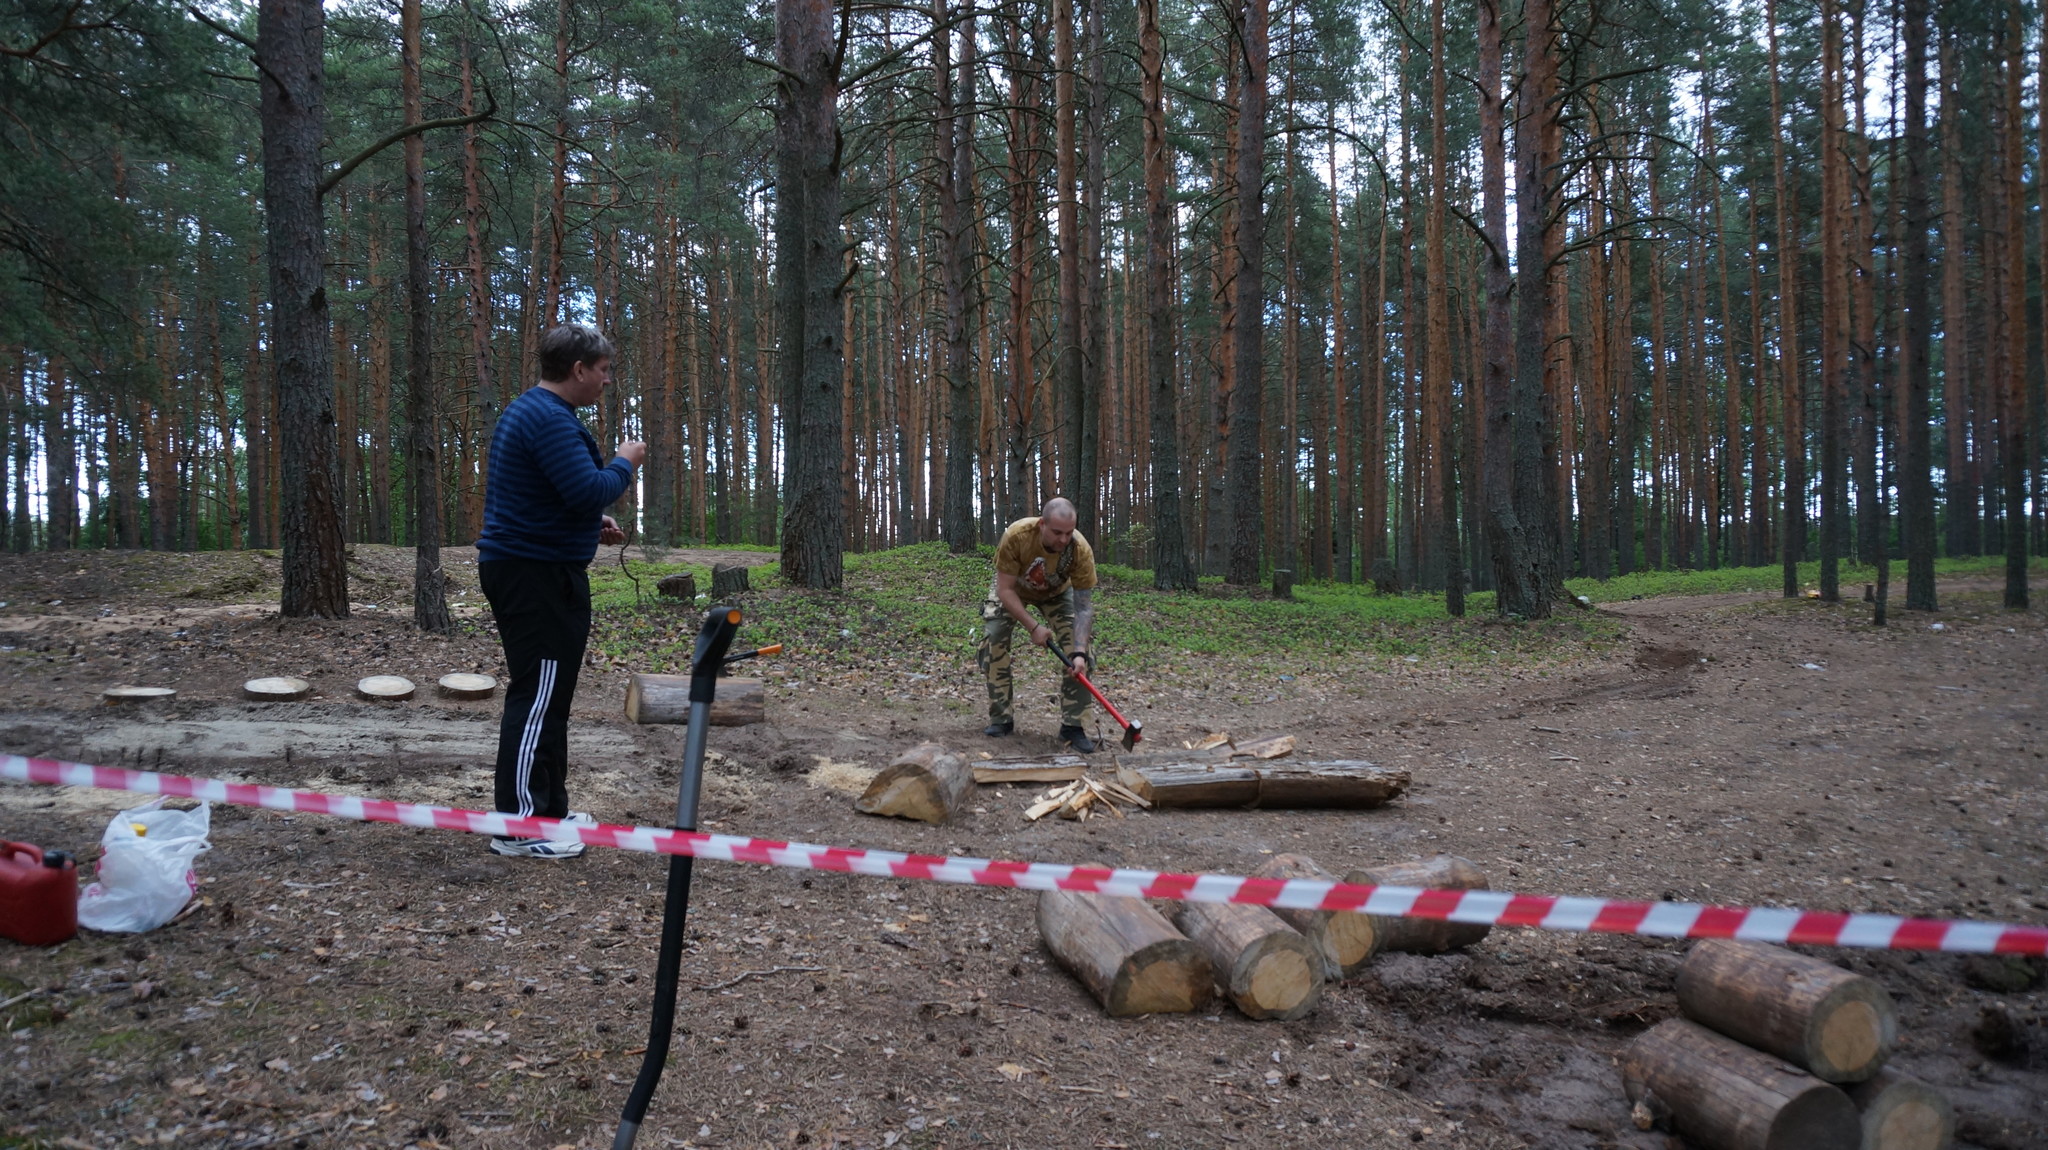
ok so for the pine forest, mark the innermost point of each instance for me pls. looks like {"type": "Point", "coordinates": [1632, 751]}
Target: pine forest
{"type": "Point", "coordinates": [1446, 297]}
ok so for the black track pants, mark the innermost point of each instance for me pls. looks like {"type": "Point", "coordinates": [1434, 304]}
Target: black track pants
{"type": "Point", "coordinates": [543, 614]}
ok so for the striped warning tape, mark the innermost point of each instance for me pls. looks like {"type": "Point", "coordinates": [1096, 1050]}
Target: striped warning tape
{"type": "Point", "coordinates": [1548, 912]}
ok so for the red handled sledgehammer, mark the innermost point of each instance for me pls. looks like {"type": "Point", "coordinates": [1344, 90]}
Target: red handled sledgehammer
{"type": "Point", "coordinates": [1133, 731]}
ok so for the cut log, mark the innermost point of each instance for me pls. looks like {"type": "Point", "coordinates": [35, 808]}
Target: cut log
{"type": "Point", "coordinates": [384, 688]}
{"type": "Point", "coordinates": [1838, 1025]}
{"type": "Point", "coordinates": [1058, 769]}
{"type": "Point", "coordinates": [1126, 953]}
{"type": "Point", "coordinates": [121, 695]}
{"type": "Point", "coordinates": [1347, 941]}
{"type": "Point", "coordinates": [1340, 785]}
{"type": "Point", "coordinates": [728, 580]}
{"type": "Point", "coordinates": [1283, 583]}
{"type": "Point", "coordinates": [1725, 1095]}
{"type": "Point", "coordinates": [1212, 740]}
{"type": "Point", "coordinates": [1424, 935]}
{"type": "Point", "coordinates": [276, 689]}
{"type": "Point", "coordinates": [1265, 966]}
{"type": "Point", "coordinates": [681, 585]}
{"type": "Point", "coordinates": [666, 699]}
{"type": "Point", "coordinates": [927, 783]}
{"type": "Point", "coordinates": [1902, 1113]}
{"type": "Point", "coordinates": [464, 685]}
{"type": "Point", "coordinates": [1270, 747]}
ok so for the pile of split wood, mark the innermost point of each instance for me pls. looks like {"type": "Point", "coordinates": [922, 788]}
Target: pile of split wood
{"type": "Point", "coordinates": [1142, 957]}
{"type": "Point", "coordinates": [930, 783]}
{"type": "Point", "coordinates": [1778, 1051]}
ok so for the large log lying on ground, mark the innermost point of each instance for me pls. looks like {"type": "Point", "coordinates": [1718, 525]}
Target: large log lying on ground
{"type": "Point", "coordinates": [1838, 1025]}
{"type": "Point", "coordinates": [666, 699]}
{"type": "Point", "coordinates": [1722, 1094]}
{"type": "Point", "coordinates": [1341, 785]}
{"type": "Point", "coordinates": [1902, 1113]}
{"type": "Point", "coordinates": [927, 783]}
{"type": "Point", "coordinates": [1346, 940]}
{"type": "Point", "coordinates": [1126, 953]}
{"type": "Point", "coordinates": [1266, 967]}
{"type": "Point", "coordinates": [1424, 935]}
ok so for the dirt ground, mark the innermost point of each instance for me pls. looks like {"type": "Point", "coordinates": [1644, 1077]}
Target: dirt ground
{"type": "Point", "coordinates": [347, 984]}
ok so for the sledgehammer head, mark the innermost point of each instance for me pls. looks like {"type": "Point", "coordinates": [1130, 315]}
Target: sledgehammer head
{"type": "Point", "coordinates": [1133, 733]}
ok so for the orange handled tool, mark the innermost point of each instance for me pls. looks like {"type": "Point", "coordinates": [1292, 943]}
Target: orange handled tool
{"type": "Point", "coordinates": [1133, 731]}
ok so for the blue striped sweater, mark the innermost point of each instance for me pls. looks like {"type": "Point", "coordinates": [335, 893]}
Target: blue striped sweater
{"type": "Point", "coordinates": [547, 486]}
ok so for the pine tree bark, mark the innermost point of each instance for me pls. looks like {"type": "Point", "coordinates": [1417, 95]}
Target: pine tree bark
{"type": "Point", "coordinates": [1068, 366]}
{"type": "Point", "coordinates": [1173, 567]}
{"type": "Point", "coordinates": [2012, 406]}
{"type": "Point", "coordinates": [1086, 484]}
{"type": "Point", "coordinates": [422, 401]}
{"type": "Point", "coordinates": [1790, 390]}
{"type": "Point", "coordinates": [1248, 339]}
{"type": "Point", "coordinates": [1440, 433]}
{"type": "Point", "coordinates": [955, 164]}
{"type": "Point", "coordinates": [289, 36]}
{"type": "Point", "coordinates": [1959, 489]}
{"type": "Point", "coordinates": [1834, 286]}
{"type": "Point", "coordinates": [1518, 588]}
{"type": "Point", "coordinates": [1534, 584]}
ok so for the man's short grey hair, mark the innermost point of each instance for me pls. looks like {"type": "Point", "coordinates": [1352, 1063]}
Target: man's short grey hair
{"type": "Point", "coordinates": [564, 346]}
{"type": "Point", "coordinates": [1058, 507]}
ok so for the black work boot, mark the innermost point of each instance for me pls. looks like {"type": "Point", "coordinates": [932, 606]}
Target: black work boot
{"type": "Point", "coordinates": [1078, 739]}
{"type": "Point", "coordinates": [999, 730]}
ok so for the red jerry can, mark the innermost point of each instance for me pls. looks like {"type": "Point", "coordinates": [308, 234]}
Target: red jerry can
{"type": "Point", "coordinates": [38, 894]}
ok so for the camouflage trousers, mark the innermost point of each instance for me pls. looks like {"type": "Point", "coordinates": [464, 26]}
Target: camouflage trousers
{"type": "Point", "coordinates": [996, 628]}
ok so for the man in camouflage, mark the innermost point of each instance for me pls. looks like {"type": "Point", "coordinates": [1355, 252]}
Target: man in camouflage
{"type": "Point", "coordinates": [1042, 562]}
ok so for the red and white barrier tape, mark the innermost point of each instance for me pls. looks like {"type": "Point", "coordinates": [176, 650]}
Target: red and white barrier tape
{"type": "Point", "coordinates": [1548, 912]}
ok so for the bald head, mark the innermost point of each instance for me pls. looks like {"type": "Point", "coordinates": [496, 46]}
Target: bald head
{"type": "Point", "coordinates": [1059, 510]}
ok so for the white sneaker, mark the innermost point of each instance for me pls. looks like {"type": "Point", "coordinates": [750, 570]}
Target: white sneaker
{"type": "Point", "coordinates": [536, 848]}
{"type": "Point", "coordinates": [580, 818]}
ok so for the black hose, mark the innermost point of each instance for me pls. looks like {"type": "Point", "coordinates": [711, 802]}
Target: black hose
{"type": "Point", "coordinates": [667, 969]}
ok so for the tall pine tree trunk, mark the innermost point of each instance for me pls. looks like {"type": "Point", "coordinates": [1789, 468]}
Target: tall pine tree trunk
{"type": "Point", "coordinates": [1248, 332]}
{"type": "Point", "coordinates": [956, 229]}
{"type": "Point", "coordinates": [422, 401]}
{"type": "Point", "coordinates": [1518, 586]}
{"type": "Point", "coordinates": [2012, 387]}
{"type": "Point", "coordinates": [1791, 390]}
{"type": "Point", "coordinates": [1173, 567]}
{"type": "Point", "coordinates": [1440, 433]}
{"type": "Point", "coordinates": [1834, 286]}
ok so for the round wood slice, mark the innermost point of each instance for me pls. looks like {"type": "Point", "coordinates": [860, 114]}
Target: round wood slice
{"type": "Point", "coordinates": [385, 688]}
{"type": "Point", "coordinates": [276, 689]}
{"type": "Point", "coordinates": [463, 685]}
{"type": "Point", "coordinates": [139, 694]}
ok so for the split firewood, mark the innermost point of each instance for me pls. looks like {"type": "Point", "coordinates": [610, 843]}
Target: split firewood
{"type": "Point", "coordinates": [118, 695]}
{"type": "Point", "coordinates": [1270, 747]}
{"type": "Point", "coordinates": [1077, 805]}
{"type": "Point", "coordinates": [1838, 1025]}
{"type": "Point", "coordinates": [1902, 1113]}
{"type": "Point", "coordinates": [384, 688]}
{"type": "Point", "coordinates": [1424, 935]}
{"type": "Point", "coordinates": [666, 699]}
{"type": "Point", "coordinates": [1125, 952]}
{"type": "Point", "coordinates": [1726, 1095]}
{"type": "Point", "coordinates": [1121, 793]}
{"type": "Point", "coordinates": [927, 783]}
{"type": "Point", "coordinates": [1345, 940]}
{"type": "Point", "coordinates": [1266, 967]}
{"type": "Point", "coordinates": [1341, 785]}
{"type": "Point", "coordinates": [276, 689]}
{"type": "Point", "coordinates": [1058, 769]}
{"type": "Point", "coordinates": [463, 685]}
{"type": "Point", "coordinates": [1051, 801]}
{"type": "Point", "coordinates": [1211, 740]}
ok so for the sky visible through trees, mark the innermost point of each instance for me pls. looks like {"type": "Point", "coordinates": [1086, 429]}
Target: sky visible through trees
{"type": "Point", "coordinates": [1463, 295]}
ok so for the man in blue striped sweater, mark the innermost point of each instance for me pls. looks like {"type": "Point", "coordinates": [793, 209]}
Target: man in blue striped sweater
{"type": "Point", "coordinates": [544, 502]}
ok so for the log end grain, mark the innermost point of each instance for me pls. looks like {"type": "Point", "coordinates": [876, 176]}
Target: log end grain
{"type": "Point", "coordinates": [1280, 979]}
{"type": "Point", "coordinates": [462, 685]}
{"type": "Point", "coordinates": [385, 688]}
{"type": "Point", "coordinates": [276, 689]}
{"type": "Point", "coordinates": [1167, 977]}
{"type": "Point", "coordinates": [1903, 1113]}
{"type": "Point", "coordinates": [115, 696]}
{"type": "Point", "coordinates": [927, 783]}
{"type": "Point", "coordinates": [1125, 952]}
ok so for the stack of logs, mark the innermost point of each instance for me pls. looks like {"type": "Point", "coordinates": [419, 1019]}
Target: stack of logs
{"type": "Point", "coordinates": [1778, 1051]}
{"type": "Point", "coordinates": [1138, 957]}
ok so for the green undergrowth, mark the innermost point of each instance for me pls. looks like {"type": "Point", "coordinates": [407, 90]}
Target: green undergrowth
{"type": "Point", "coordinates": [921, 604]}
{"type": "Point", "coordinates": [1647, 584]}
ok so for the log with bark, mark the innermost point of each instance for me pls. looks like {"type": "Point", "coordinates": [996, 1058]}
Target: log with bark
{"type": "Point", "coordinates": [1339, 785]}
{"type": "Point", "coordinates": [1424, 935]}
{"type": "Point", "coordinates": [728, 580]}
{"type": "Point", "coordinates": [1125, 952]}
{"type": "Point", "coordinates": [114, 696]}
{"type": "Point", "coordinates": [1902, 1113]}
{"type": "Point", "coordinates": [681, 585]}
{"type": "Point", "coordinates": [384, 688]}
{"type": "Point", "coordinates": [1723, 1094]}
{"type": "Point", "coordinates": [1346, 941]}
{"type": "Point", "coordinates": [666, 699]}
{"type": "Point", "coordinates": [467, 686]}
{"type": "Point", "coordinates": [276, 689]}
{"type": "Point", "coordinates": [1838, 1025]}
{"type": "Point", "coordinates": [1265, 966]}
{"type": "Point", "coordinates": [927, 783]}
{"type": "Point", "coordinates": [1057, 769]}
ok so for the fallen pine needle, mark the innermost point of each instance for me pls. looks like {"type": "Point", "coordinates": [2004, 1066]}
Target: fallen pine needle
{"type": "Point", "coordinates": [747, 974]}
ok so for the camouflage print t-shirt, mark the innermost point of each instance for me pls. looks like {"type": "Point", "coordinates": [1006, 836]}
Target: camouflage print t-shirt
{"type": "Point", "coordinates": [1041, 574]}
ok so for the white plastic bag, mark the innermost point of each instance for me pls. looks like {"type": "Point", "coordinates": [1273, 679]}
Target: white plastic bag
{"type": "Point", "coordinates": [146, 876]}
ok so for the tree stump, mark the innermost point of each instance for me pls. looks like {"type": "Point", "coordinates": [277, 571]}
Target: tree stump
{"type": "Point", "coordinates": [927, 783]}
{"type": "Point", "coordinates": [1347, 941]}
{"type": "Point", "coordinates": [1283, 583]}
{"type": "Point", "coordinates": [727, 580]}
{"type": "Point", "coordinates": [115, 696]}
{"type": "Point", "coordinates": [666, 699]}
{"type": "Point", "coordinates": [276, 689]}
{"type": "Point", "coordinates": [1126, 953]}
{"type": "Point", "coordinates": [681, 585]}
{"type": "Point", "coordinates": [1266, 967]}
{"type": "Point", "coordinates": [1721, 1093]}
{"type": "Point", "coordinates": [1902, 1113]}
{"type": "Point", "coordinates": [384, 688]}
{"type": "Point", "coordinates": [1385, 579]}
{"type": "Point", "coordinates": [1425, 935]}
{"type": "Point", "coordinates": [467, 686]}
{"type": "Point", "coordinates": [1838, 1025]}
